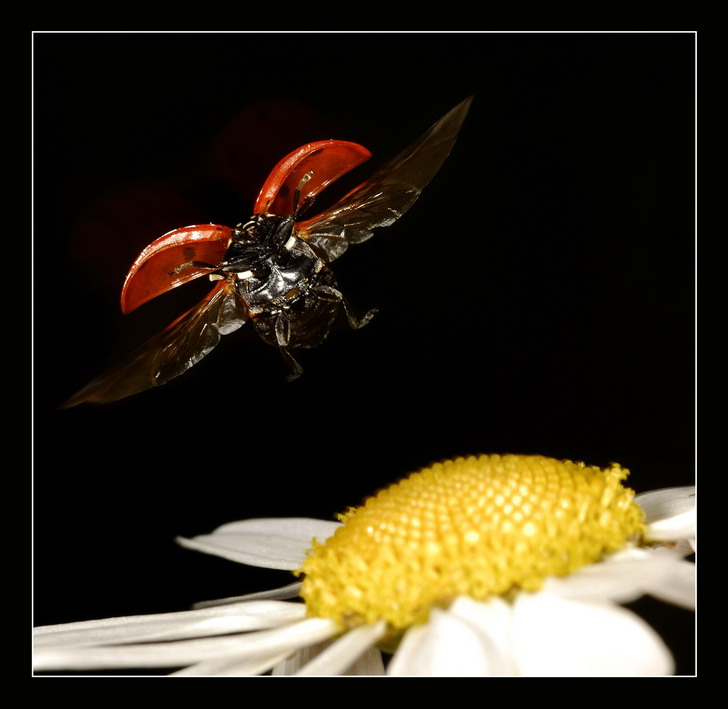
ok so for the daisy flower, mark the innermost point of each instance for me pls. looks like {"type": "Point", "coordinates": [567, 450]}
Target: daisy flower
{"type": "Point", "coordinates": [489, 565]}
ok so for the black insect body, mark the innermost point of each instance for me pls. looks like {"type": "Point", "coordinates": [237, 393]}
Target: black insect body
{"type": "Point", "coordinates": [290, 294]}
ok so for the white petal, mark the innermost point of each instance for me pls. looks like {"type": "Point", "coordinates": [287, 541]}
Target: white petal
{"type": "Point", "coordinates": [291, 664]}
{"type": "Point", "coordinates": [684, 547]}
{"type": "Point", "coordinates": [370, 663]}
{"type": "Point", "coordinates": [343, 653]}
{"type": "Point", "coordinates": [680, 526]}
{"type": "Point", "coordinates": [669, 501]}
{"type": "Point", "coordinates": [303, 528]}
{"type": "Point", "coordinates": [170, 626]}
{"type": "Point", "coordinates": [182, 653]}
{"type": "Point", "coordinates": [446, 646]}
{"type": "Point", "coordinates": [670, 513]}
{"type": "Point", "coordinates": [233, 666]}
{"type": "Point", "coordinates": [555, 637]}
{"type": "Point", "coordinates": [678, 587]}
{"type": "Point", "coordinates": [493, 620]}
{"type": "Point", "coordinates": [623, 577]}
{"type": "Point", "coordinates": [268, 543]}
{"type": "Point", "coordinates": [280, 594]}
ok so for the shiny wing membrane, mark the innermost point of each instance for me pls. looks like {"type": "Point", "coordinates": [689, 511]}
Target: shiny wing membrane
{"type": "Point", "coordinates": [388, 194]}
{"type": "Point", "coordinates": [171, 352]}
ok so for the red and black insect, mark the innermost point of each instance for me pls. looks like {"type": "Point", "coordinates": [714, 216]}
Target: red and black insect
{"type": "Point", "coordinates": [273, 269]}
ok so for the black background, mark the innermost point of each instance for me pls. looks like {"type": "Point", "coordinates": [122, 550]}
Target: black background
{"type": "Point", "coordinates": [538, 298]}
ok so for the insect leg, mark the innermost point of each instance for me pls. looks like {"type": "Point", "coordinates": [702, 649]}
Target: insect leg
{"type": "Point", "coordinates": [283, 337]}
{"type": "Point", "coordinates": [330, 293]}
{"type": "Point", "coordinates": [282, 329]}
{"type": "Point", "coordinates": [295, 366]}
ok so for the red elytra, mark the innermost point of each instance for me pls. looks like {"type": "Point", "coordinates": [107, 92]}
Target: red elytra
{"type": "Point", "coordinates": [325, 160]}
{"type": "Point", "coordinates": [157, 268]}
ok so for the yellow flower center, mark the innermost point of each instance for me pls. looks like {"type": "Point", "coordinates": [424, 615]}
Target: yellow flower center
{"type": "Point", "coordinates": [480, 526]}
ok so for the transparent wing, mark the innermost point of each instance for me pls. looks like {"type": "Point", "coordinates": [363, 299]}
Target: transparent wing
{"type": "Point", "coordinates": [388, 194]}
{"type": "Point", "coordinates": [171, 352]}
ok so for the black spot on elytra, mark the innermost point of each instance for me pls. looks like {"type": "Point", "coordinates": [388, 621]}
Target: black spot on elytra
{"type": "Point", "coordinates": [188, 253]}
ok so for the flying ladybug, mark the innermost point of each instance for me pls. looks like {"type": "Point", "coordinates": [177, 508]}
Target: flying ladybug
{"type": "Point", "coordinates": [274, 268]}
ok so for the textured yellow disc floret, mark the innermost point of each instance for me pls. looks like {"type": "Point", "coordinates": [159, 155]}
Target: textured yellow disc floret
{"type": "Point", "coordinates": [478, 526]}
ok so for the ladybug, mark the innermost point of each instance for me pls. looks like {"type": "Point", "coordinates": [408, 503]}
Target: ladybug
{"type": "Point", "coordinates": [274, 268]}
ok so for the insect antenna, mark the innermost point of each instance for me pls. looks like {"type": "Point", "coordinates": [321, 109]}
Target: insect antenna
{"type": "Point", "coordinates": [300, 206]}
{"type": "Point", "coordinates": [192, 264]}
